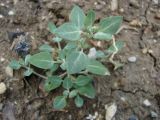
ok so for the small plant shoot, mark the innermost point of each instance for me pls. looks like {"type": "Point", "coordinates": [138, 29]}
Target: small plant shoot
{"type": "Point", "coordinates": [71, 66]}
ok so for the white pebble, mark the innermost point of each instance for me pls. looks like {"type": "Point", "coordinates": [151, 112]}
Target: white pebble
{"type": "Point", "coordinates": [1, 16]}
{"type": "Point", "coordinates": [10, 12]}
{"type": "Point", "coordinates": [110, 111]}
{"type": "Point", "coordinates": [146, 103]}
{"type": "Point", "coordinates": [2, 88]}
{"type": "Point", "coordinates": [114, 5]}
{"type": "Point", "coordinates": [2, 4]}
{"type": "Point", "coordinates": [132, 59]}
{"type": "Point", "coordinates": [9, 71]}
{"type": "Point", "coordinates": [154, 114]}
{"type": "Point", "coordinates": [2, 59]}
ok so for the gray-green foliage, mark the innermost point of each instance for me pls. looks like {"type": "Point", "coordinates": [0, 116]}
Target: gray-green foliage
{"type": "Point", "coordinates": [71, 66]}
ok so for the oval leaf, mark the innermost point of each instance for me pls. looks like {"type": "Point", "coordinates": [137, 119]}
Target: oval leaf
{"type": "Point", "coordinates": [97, 68]}
{"type": "Point", "coordinates": [59, 102]}
{"type": "Point", "coordinates": [41, 60]}
{"type": "Point", "coordinates": [102, 36]}
{"type": "Point", "coordinates": [52, 27]}
{"type": "Point", "coordinates": [52, 83]}
{"type": "Point", "coordinates": [76, 62]}
{"type": "Point", "coordinates": [82, 80]}
{"type": "Point", "coordinates": [27, 59]}
{"type": "Point", "coordinates": [68, 31]}
{"type": "Point", "coordinates": [119, 45]}
{"type": "Point", "coordinates": [14, 64]}
{"type": "Point", "coordinates": [67, 83]}
{"type": "Point", "coordinates": [28, 72]}
{"type": "Point", "coordinates": [46, 48]}
{"type": "Point", "coordinates": [90, 18]}
{"type": "Point", "coordinates": [87, 91]}
{"type": "Point", "coordinates": [111, 24]}
{"type": "Point", "coordinates": [78, 101]}
{"type": "Point", "coordinates": [73, 93]}
{"type": "Point", "coordinates": [77, 16]}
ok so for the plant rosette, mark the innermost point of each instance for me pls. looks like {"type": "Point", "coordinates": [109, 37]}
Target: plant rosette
{"type": "Point", "coordinates": [77, 59]}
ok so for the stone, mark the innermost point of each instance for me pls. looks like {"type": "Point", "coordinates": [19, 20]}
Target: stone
{"type": "Point", "coordinates": [3, 88]}
{"type": "Point", "coordinates": [9, 71]}
{"type": "Point", "coordinates": [132, 59]}
{"type": "Point", "coordinates": [133, 117]}
{"type": "Point", "coordinates": [154, 114]}
{"type": "Point", "coordinates": [2, 59]}
{"type": "Point", "coordinates": [1, 106]}
{"type": "Point", "coordinates": [11, 13]}
{"type": "Point", "coordinates": [134, 3]}
{"type": "Point", "coordinates": [157, 16]}
{"type": "Point", "coordinates": [147, 103]}
{"type": "Point", "coordinates": [1, 16]}
{"type": "Point", "coordinates": [110, 111]}
{"type": "Point", "coordinates": [114, 5]}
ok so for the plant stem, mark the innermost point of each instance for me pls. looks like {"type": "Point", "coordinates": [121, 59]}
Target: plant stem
{"type": "Point", "coordinates": [62, 75]}
{"type": "Point", "coordinates": [59, 46]}
{"type": "Point", "coordinates": [116, 50]}
{"type": "Point", "coordinates": [37, 74]}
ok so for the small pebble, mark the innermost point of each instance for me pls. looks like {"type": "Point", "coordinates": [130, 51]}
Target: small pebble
{"type": "Point", "coordinates": [155, 1]}
{"type": "Point", "coordinates": [134, 3]}
{"type": "Point", "coordinates": [1, 106]}
{"type": "Point", "coordinates": [114, 5]}
{"type": "Point", "coordinates": [147, 103]}
{"type": "Point", "coordinates": [132, 59]}
{"type": "Point", "coordinates": [154, 114]}
{"type": "Point", "coordinates": [133, 117]}
{"type": "Point", "coordinates": [121, 10]}
{"type": "Point", "coordinates": [2, 88]}
{"type": "Point", "coordinates": [10, 12]}
{"type": "Point", "coordinates": [2, 4]}
{"type": "Point", "coordinates": [1, 16]}
{"type": "Point", "coordinates": [157, 16]}
{"type": "Point", "coordinates": [9, 71]}
{"type": "Point", "coordinates": [2, 59]}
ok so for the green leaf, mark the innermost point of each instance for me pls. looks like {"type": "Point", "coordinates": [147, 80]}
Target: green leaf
{"type": "Point", "coordinates": [52, 27]}
{"type": "Point", "coordinates": [82, 80]}
{"type": "Point", "coordinates": [27, 58]}
{"type": "Point", "coordinates": [14, 64]}
{"type": "Point", "coordinates": [63, 66]}
{"type": "Point", "coordinates": [77, 17]}
{"type": "Point", "coordinates": [52, 83]}
{"type": "Point", "coordinates": [54, 67]}
{"type": "Point", "coordinates": [96, 67]}
{"type": "Point", "coordinates": [78, 101]}
{"type": "Point", "coordinates": [71, 45]}
{"type": "Point", "coordinates": [65, 93]}
{"type": "Point", "coordinates": [90, 18]}
{"type": "Point", "coordinates": [28, 72]}
{"type": "Point", "coordinates": [57, 39]}
{"type": "Point", "coordinates": [119, 44]}
{"type": "Point", "coordinates": [67, 83]}
{"type": "Point", "coordinates": [59, 102]}
{"type": "Point", "coordinates": [76, 62]}
{"type": "Point", "coordinates": [102, 36]}
{"type": "Point", "coordinates": [69, 31]}
{"type": "Point", "coordinates": [73, 93]}
{"type": "Point", "coordinates": [46, 48]}
{"type": "Point", "coordinates": [21, 61]}
{"type": "Point", "coordinates": [41, 60]}
{"type": "Point", "coordinates": [111, 24]}
{"type": "Point", "coordinates": [100, 54]}
{"type": "Point", "coordinates": [87, 91]}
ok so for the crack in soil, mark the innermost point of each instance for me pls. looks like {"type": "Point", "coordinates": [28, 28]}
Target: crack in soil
{"type": "Point", "coordinates": [142, 35]}
{"type": "Point", "coordinates": [134, 92]}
